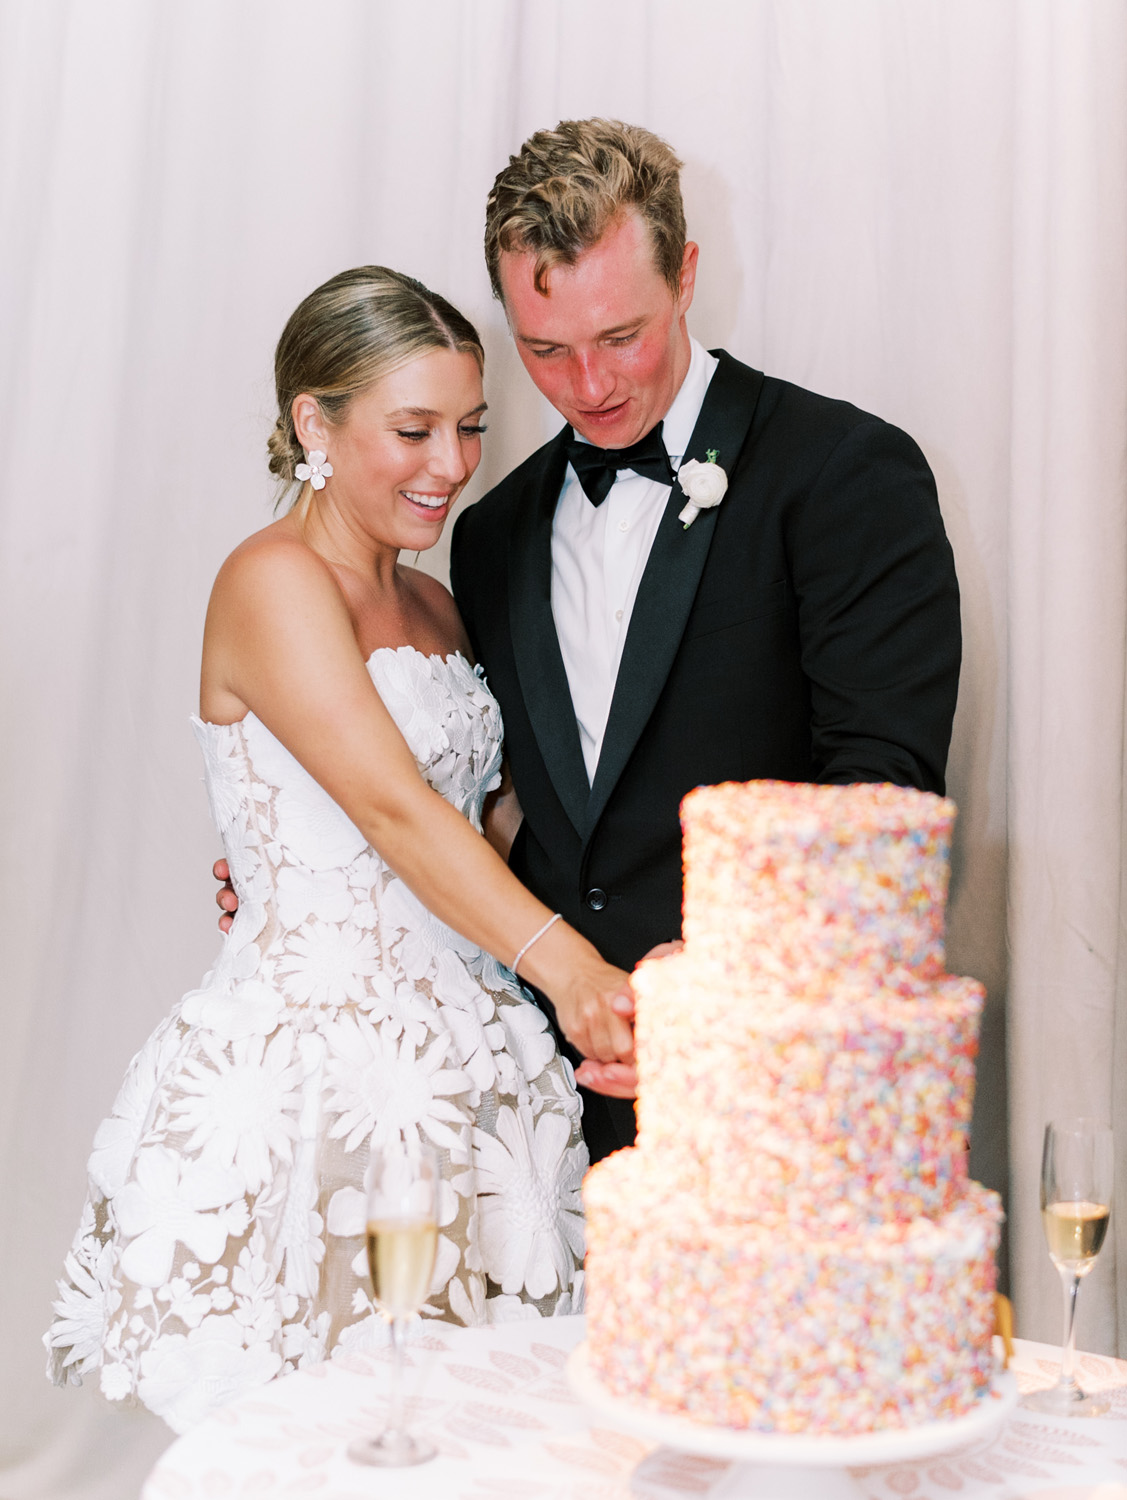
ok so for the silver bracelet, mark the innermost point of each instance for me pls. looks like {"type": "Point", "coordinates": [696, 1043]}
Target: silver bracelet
{"type": "Point", "coordinates": [535, 938]}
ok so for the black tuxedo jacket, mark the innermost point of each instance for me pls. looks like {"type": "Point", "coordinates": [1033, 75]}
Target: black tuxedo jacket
{"type": "Point", "coordinates": [806, 629]}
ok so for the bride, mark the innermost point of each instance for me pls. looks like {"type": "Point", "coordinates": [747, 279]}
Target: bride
{"type": "Point", "coordinates": [351, 749]}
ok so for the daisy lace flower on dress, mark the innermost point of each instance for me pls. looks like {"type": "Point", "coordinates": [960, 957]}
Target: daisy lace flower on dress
{"type": "Point", "coordinates": [315, 469]}
{"type": "Point", "coordinates": [241, 1102]}
{"type": "Point", "coordinates": [85, 1301]}
{"type": "Point", "coordinates": [531, 1215]}
{"type": "Point", "coordinates": [325, 964]}
{"type": "Point", "coordinates": [378, 1087]}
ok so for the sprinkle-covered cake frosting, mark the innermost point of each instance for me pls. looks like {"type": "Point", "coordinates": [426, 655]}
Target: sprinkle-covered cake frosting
{"type": "Point", "coordinates": [773, 1326]}
{"type": "Point", "coordinates": [856, 1104]}
{"type": "Point", "coordinates": [794, 1245]}
{"type": "Point", "coordinates": [813, 883]}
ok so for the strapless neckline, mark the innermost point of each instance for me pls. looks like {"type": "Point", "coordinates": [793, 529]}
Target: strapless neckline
{"type": "Point", "coordinates": [446, 661]}
{"type": "Point", "coordinates": [443, 661]}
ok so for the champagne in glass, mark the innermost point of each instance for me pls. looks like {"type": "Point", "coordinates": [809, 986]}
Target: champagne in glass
{"type": "Point", "coordinates": [401, 1260]}
{"type": "Point", "coordinates": [402, 1239]}
{"type": "Point", "coordinates": [1076, 1173]}
{"type": "Point", "coordinates": [1075, 1232]}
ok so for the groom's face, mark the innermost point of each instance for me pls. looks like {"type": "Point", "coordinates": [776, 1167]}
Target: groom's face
{"type": "Point", "coordinates": [608, 345]}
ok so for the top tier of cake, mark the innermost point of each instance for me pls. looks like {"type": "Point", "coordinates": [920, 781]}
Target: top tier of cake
{"type": "Point", "coordinates": [808, 884]}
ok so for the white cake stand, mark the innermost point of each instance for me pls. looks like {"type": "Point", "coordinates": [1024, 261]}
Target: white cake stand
{"type": "Point", "coordinates": [784, 1466]}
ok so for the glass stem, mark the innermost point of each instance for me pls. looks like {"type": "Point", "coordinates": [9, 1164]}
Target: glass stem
{"type": "Point", "coordinates": [395, 1412]}
{"type": "Point", "coordinates": [1070, 1284]}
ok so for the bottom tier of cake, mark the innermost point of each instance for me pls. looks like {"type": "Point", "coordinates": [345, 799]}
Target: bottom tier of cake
{"type": "Point", "coordinates": [768, 1326]}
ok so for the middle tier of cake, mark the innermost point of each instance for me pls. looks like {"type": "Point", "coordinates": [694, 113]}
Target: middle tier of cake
{"type": "Point", "coordinates": [760, 1102]}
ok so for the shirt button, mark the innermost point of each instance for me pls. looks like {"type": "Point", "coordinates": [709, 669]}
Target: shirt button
{"type": "Point", "coordinates": [618, 614]}
{"type": "Point", "coordinates": [595, 898]}
{"type": "Point", "coordinates": [624, 525]}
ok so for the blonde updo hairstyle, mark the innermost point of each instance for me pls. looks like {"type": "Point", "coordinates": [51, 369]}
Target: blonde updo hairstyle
{"type": "Point", "coordinates": [346, 335]}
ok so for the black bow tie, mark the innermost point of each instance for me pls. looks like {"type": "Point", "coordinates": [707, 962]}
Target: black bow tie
{"type": "Point", "coordinates": [597, 468]}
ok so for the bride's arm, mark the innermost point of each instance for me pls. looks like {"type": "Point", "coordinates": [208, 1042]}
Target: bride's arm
{"type": "Point", "coordinates": [279, 642]}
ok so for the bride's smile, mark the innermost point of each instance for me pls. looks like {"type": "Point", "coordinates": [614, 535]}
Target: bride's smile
{"type": "Point", "coordinates": [400, 458]}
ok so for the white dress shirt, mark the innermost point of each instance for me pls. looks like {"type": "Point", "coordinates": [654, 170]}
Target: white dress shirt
{"type": "Point", "coordinates": [599, 554]}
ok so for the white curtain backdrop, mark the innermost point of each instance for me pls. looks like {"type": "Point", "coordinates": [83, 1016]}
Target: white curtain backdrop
{"type": "Point", "coordinates": [919, 205]}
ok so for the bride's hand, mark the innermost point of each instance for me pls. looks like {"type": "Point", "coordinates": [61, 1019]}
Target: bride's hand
{"type": "Point", "coordinates": [596, 1015]}
{"type": "Point", "coordinates": [593, 1002]}
{"type": "Point", "coordinates": [619, 1080]}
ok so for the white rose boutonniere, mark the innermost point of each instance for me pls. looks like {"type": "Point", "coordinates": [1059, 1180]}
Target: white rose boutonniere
{"type": "Point", "coordinates": [706, 484]}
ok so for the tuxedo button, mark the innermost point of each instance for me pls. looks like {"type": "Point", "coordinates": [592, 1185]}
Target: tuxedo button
{"type": "Point", "coordinates": [595, 898]}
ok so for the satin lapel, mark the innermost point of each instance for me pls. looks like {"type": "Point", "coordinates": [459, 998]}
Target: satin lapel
{"type": "Point", "coordinates": [669, 583]}
{"type": "Point", "coordinates": [540, 668]}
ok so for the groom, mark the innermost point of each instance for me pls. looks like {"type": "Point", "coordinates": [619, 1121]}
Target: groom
{"type": "Point", "coordinates": [806, 628]}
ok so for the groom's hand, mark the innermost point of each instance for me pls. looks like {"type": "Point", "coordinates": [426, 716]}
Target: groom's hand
{"type": "Point", "coordinates": [619, 1080]}
{"type": "Point", "coordinates": [225, 898]}
{"type": "Point", "coordinates": [663, 950]}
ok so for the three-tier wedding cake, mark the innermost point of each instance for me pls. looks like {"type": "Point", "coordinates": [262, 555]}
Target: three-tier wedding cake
{"type": "Point", "coordinates": [794, 1245]}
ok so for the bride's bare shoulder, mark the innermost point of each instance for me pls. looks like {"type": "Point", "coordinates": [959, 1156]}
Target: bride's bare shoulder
{"type": "Point", "coordinates": [272, 586]}
{"type": "Point", "coordinates": [276, 555]}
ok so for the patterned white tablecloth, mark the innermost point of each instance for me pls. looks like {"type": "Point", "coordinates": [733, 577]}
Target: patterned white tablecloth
{"type": "Point", "coordinates": [496, 1403]}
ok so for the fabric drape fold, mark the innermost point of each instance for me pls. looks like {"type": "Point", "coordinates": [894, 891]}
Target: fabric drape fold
{"type": "Point", "coordinates": [1067, 508]}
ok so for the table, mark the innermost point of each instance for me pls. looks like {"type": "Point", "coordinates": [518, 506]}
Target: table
{"type": "Point", "coordinates": [496, 1403]}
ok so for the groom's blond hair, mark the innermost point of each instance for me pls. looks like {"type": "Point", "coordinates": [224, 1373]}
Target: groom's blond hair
{"type": "Point", "coordinates": [564, 187]}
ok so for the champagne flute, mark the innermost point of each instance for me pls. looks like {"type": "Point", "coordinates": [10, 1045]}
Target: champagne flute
{"type": "Point", "coordinates": [1076, 1174]}
{"type": "Point", "coordinates": [402, 1240]}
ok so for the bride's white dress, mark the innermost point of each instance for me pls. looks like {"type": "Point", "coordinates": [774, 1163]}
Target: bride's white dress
{"type": "Point", "coordinates": [222, 1240]}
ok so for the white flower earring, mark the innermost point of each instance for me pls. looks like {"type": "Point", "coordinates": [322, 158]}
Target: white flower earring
{"type": "Point", "coordinates": [315, 469]}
